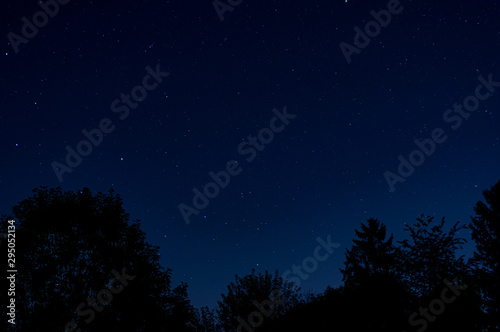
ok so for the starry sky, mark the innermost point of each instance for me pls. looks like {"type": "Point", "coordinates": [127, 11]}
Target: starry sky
{"type": "Point", "coordinates": [181, 89]}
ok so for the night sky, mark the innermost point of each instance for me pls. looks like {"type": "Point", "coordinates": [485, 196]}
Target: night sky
{"type": "Point", "coordinates": [203, 89]}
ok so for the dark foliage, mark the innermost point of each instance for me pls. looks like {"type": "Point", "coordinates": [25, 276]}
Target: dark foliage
{"type": "Point", "coordinates": [485, 228]}
{"type": "Point", "coordinates": [68, 245]}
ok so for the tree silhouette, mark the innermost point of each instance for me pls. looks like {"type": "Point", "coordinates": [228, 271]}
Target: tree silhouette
{"type": "Point", "coordinates": [429, 265]}
{"type": "Point", "coordinates": [372, 288]}
{"type": "Point", "coordinates": [69, 246]}
{"type": "Point", "coordinates": [372, 298]}
{"type": "Point", "coordinates": [485, 231]}
{"type": "Point", "coordinates": [182, 316]}
{"type": "Point", "coordinates": [370, 255]}
{"type": "Point", "coordinates": [208, 321]}
{"type": "Point", "coordinates": [266, 296]}
{"type": "Point", "coordinates": [430, 256]}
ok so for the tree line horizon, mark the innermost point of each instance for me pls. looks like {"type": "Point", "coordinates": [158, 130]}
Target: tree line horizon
{"type": "Point", "coordinates": [68, 242]}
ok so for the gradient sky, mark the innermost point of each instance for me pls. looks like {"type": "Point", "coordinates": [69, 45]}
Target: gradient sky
{"type": "Point", "coordinates": [322, 175]}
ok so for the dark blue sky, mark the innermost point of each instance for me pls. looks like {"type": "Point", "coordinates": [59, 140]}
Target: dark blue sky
{"type": "Point", "coordinates": [323, 174]}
